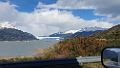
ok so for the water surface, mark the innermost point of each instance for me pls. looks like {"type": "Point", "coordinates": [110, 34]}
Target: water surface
{"type": "Point", "coordinates": [23, 48]}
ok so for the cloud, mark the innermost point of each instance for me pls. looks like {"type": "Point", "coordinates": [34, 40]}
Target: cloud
{"type": "Point", "coordinates": [109, 8]}
{"type": "Point", "coordinates": [7, 12]}
{"type": "Point", "coordinates": [6, 25]}
{"type": "Point", "coordinates": [45, 21]}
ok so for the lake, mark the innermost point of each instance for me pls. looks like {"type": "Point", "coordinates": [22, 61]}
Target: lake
{"type": "Point", "coordinates": [23, 48]}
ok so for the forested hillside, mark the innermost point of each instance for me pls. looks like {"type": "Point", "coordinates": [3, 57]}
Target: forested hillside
{"type": "Point", "coordinates": [112, 33]}
{"type": "Point", "coordinates": [11, 34]}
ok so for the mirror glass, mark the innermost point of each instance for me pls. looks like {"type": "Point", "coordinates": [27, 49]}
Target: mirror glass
{"type": "Point", "coordinates": [111, 57]}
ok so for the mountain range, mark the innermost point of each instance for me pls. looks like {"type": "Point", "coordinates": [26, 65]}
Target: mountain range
{"type": "Point", "coordinates": [10, 33]}
{"type": "Point", "coordinates": [83, 32]}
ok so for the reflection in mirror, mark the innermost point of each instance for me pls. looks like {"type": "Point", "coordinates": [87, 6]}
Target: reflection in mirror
{"type": "Point", "coordinates": [111, 57]}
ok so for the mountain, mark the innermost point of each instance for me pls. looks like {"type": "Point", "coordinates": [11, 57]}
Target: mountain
{"type": "Point", "coordinates": [87, 31]}
{"type": "Point", "coordinates": [92, 29]}
{"type": "Point", "coordinates": [12, 34]}
{"type": "Point", "coordinates": [112, 33]}
{"type": "Point", "coordinates": [61, 34]}
{"type": "Point", "coordinates": [71, 31]}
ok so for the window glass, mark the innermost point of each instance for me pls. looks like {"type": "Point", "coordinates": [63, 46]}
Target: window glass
{"type": "Point", "coordinates": [53, 29]}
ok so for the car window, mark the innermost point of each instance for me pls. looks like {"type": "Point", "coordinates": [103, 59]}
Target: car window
{"type": "Point", "coordinates": [32, 30]}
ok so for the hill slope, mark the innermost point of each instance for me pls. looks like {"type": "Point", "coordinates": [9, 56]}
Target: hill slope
{"type": "Point", "coordinates": [11, 34]}
{"type": "Point", "coordinates": [112, 33]}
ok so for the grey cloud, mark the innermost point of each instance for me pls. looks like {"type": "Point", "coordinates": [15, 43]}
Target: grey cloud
{"type": "Point", "coordinates": [6, 12]}
{"type": "Point", "coordinates": [110, 8]}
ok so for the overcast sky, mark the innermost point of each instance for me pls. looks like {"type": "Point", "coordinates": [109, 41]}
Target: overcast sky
{"type": "Point", "coordinates": [44, 17]}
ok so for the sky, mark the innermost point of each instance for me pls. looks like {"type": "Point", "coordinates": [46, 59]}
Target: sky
{"type": "Point", "coordinates": [44, 17]}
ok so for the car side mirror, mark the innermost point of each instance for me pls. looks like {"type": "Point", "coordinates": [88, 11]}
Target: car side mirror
{"type": "Point", "coordinates": [111, 57]}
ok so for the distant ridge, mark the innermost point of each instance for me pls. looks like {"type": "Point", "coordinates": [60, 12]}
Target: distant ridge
{"type": "Point", "coordinates": [112, 33]}
{"type": "Point", "coordinates": [83, 32]}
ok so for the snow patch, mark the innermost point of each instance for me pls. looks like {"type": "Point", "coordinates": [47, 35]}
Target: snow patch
{"type": "Point", "coordinates": [71, 31]}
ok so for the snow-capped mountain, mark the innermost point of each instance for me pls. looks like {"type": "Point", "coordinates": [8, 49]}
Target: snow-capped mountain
{"type": "Point", "coordinates": [87, 31]}
{"type": "Point", "coordinates": [6, 25]}
{"type": "Point", "coordinates": [60, 34]}
{"type": "Point", "coordinates": [71, 31]}
{"type": "Point", "coordinates": [91, 29]}
{"type": "Point", "coordinates": [83, 29]}
{"type": "Point", "coordinates": [80, 32]}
